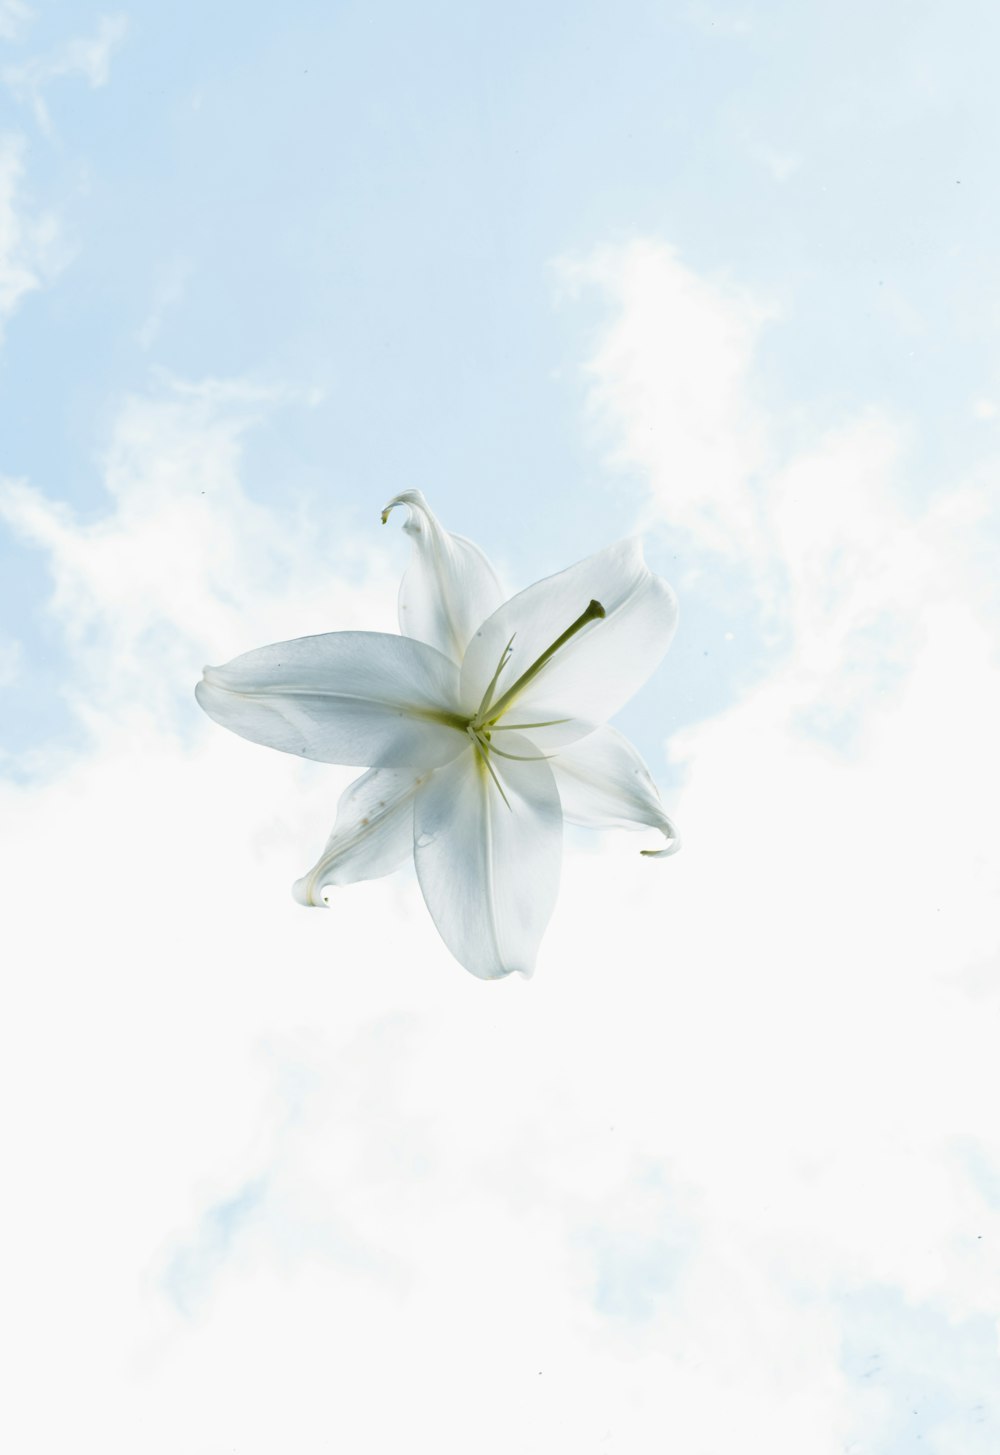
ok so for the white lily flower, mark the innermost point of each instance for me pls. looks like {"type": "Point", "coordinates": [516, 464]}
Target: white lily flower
{"type": "Point", "coordinates": [482, 726]}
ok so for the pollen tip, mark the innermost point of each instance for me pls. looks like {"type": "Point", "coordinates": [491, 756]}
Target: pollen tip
{"type": "Point", "coordinates": [596, 609]}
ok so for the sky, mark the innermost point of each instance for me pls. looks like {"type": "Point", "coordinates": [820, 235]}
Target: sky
{"type": "Point", "coordinates": [725, 1173]}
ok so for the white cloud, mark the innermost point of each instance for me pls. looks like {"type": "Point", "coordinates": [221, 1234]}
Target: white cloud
{"type": "Point", "coordinates": [89, 57]}
{"type": "Point", "coordinates": [835, 900]}
{"type": "Point", "coordinates": [310, 1160]}
{"type": "Point", "coordinates": [185, 564]}
{"type": "Point", "coordinates": [846, 569]}
{"type": "Point", "coordinates": [670, 382]}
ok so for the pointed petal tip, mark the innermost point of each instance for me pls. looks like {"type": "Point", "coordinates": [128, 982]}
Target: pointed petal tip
{"type": "Point", "coordinates": [508, 973]}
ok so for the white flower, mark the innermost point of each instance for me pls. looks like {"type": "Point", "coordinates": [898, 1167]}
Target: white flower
{"type": "Point", "coordinates": [484, 722]}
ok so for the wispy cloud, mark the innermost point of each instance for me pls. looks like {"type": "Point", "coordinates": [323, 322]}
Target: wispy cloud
{"type": "Point", "coordinates": [193, 1266]}
{"type": "Point", "coordinates": [780, 164]}
{"type": "Point", "coordinates": [184, 563]}
{"type": "Point", "coordinates": [669, 385]}
{"type": "Point", "coordinates": [11, 661]}
{"type": "Point", "coordinates": [14, 16]}
{"type": "Point", "coordinates": [86, 57]}
{"type": "Point", "coordinates": [28, 241]}
{"type": "Point", "coordinates": [821, 519]}
{"type": "Point", "coordinates": [167, 293]}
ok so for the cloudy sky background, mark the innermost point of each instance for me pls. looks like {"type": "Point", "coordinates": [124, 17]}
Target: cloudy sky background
{"type": "Point", "coordinates": [725, 1175]}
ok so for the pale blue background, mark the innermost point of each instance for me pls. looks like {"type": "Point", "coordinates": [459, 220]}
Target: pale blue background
{"type": "Point", "coordinates": [371, 206]}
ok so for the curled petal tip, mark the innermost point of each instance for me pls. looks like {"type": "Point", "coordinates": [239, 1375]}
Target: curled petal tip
{"type": "Point", "coordinates": [673, 843]}
{"type": "Point", "coordinates": [302, 893]}
{"type": "Point", "coordinates": [409, 498]}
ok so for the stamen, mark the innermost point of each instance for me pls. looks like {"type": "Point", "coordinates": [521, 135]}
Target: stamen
{"type": "Point", "coordinates": [513, 727]}
{"type": "Point", "coordinates": [593, 613]}
{"type": "Point", "coordinates": [504, 659]}
{"type": "Point", "coordinates": [522, 757]}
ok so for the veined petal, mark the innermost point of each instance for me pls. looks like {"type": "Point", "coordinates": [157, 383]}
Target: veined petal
{"type": "Point", "coordinates": [490, 873]}
{"type": "Point", "coordinates": [449, 588]}
{"type": "Point", "coordinates": [603, 783]}
{"type": "Point", "coordinates": [345, 697]}
{"type": "Point", "coordinates": [598, 669]}
{"type": "Point", "coordinates": [373, 834]}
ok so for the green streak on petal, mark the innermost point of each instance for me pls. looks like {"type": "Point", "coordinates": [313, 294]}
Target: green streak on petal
{"type": "Point", "coordinates": [433, 714]}
{"type": "Point", "coordinates": [482, 753]}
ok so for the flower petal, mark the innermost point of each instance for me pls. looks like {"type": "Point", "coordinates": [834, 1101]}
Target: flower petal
{"type": "Point", "coordinates": [373, 834]}
{"type": "Point", "coordinates": [345, 697]}
{"type": "Point", "coordinates": [449, 588]}
{"type": "Point", "coordinates": [597, 670]}
{"type": "Point", "coordinates": [490, 873]}
{"type": "Point", "coordinates": [603, 783]}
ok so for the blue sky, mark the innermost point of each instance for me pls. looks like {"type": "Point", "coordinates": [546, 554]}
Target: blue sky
{"type": "Point", "coordinates": [369, 201]}
{"type": "Point", "coordinates": [728, 1162]}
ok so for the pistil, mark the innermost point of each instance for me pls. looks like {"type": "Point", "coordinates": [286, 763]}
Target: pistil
{"type": "Point", "coordinates": [489, 714]}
